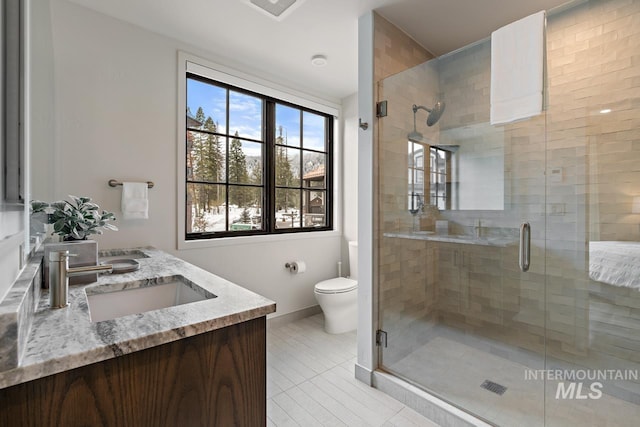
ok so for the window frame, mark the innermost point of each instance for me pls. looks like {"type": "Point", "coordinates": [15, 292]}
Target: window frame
{"type": "Point", "coordinates": [242, 82]}
{"type": "Point", "coordinates": [413, 196]}
{"type": "Point", "coordinates": [446, 187]}
{"type": "Point", "coordinates": [428, 170]}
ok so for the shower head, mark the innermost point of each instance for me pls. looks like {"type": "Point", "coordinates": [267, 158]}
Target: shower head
{"type": "Point", "coordinates": [415, 136]}
{"type": "Point", "coordinates": [434, 113]}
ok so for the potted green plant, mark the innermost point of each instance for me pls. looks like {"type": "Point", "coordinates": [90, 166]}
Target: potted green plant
{"type": "Point", "coordinates": [74, 221]}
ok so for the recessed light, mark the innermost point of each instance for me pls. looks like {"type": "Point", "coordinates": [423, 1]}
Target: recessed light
{"type": "Point", "coordinates": [605, 111]}
{"type": "Point", "coordinates": [319, 60]}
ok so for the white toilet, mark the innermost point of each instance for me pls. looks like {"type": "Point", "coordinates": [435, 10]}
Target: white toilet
{"type": "Point", "coordinates": [338, 298]}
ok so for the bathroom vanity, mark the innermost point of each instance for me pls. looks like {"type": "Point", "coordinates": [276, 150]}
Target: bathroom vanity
{"type": "Point", "coordinates": [201, 362]}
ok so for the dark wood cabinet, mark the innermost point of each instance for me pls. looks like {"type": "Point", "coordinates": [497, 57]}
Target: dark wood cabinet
{"type": "Point", "coordinates": [213, 379]}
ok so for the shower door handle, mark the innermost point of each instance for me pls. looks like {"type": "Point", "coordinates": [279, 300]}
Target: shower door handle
{"type": "Point", "coordinates": [525, 246]}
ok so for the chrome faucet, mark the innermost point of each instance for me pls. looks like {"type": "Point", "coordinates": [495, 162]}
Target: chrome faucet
{"type": "Point", "coordinates": [59, 273]}
{"type": "Point", "coordinates": [416, 204]}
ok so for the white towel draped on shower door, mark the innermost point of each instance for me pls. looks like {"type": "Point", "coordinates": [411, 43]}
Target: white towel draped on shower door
{"type": "Point", "coordinates": [517, 64]}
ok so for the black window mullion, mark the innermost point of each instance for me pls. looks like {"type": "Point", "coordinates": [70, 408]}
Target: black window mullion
{"type": "Point", "coordinates": [301, 130]}
{"type": "Point", "coordinates": [301, 169]}
{"type": "Point", "coordinates": [328, 172]}
{"type": "Point", "coordinates": [300, 210]}
{"type": "Point", "coordinates": [198, 181]}
{"type": "Point", "coordinates": [269, 167]}
{"type": "Point", "coordinates": [226, 167]}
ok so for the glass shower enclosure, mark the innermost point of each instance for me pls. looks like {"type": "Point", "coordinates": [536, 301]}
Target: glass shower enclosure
{"type": "Point", "coordinates": [508, 257]}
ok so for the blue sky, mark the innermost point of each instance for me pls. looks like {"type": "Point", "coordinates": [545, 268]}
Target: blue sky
{"type": "Point", "coordinates": [245, 116]}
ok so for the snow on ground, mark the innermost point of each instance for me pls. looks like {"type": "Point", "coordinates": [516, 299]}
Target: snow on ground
{"type": "Point", "coordinates": [216, 221]}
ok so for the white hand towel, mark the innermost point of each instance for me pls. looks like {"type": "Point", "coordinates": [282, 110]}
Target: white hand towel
{"type": "Point", "coordinates": [135, 203]}
{"type": "Point", "coordinates": [517, 64]}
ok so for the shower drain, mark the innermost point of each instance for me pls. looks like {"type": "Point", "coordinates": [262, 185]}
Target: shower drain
{"type": "Point", "coordinates": [494, 387]}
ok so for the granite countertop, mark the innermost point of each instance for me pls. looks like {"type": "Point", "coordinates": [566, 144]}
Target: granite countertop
{"type": "Point", "coordinates": [498, 241]}
{"type": "Point", "coordinates": [64, 339]}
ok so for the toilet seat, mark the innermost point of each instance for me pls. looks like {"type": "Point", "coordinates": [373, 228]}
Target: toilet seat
{"type": "Point", "coordinates": [336, 286]}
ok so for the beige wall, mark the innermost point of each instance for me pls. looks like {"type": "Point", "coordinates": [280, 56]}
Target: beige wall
{"type": "Point", "coordinates": [116, 114]}
{"type": "Point", "coordinates": [593, 64]}
{"type": "Point", "coordinates": [394, 50]}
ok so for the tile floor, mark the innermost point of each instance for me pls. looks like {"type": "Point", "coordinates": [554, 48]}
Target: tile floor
{"type": "Point", "coordinates": [310, 382]}
{"type": "Point", "coordinates": [456, 370]}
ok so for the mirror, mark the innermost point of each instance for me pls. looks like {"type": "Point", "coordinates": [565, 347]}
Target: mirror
{"type": "Point", "coordinates": [13, 239]}
{"type": "Point", "coordinates": [40, 107]}
{"type": "Point", "coordinates": [463, 171]}
{"type": "Point", "coordinates": [12, 145]}
{"type": "Point", "coordinates": [429, 178]}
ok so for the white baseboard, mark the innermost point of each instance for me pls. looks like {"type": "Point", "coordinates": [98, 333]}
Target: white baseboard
{"type": "Point", "coordinates": [292, 317]}
{"type": "Point", "coordinates": [364, 375]}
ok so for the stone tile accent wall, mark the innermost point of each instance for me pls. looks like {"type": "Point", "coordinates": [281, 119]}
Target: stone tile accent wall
{"type": "Point", "coordinates": [408, 292]}
{"type": "Point", "coordinates": [394, 50]}
{"type": "Point", "coordinates": [593, 174]}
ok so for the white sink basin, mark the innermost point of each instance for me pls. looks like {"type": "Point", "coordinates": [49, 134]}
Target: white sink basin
{"type": "Point", "coordinates": [122, 299]}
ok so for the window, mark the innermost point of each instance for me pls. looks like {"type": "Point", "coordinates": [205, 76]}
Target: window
{"type": "Point", "coordinates": [254, 164]}
{"type": "Point", "coordinates": [435, 191]}
{"type": "Point", "coordinates": [416, 196]}
{"type": "Point", "coordinates": [439, 160]}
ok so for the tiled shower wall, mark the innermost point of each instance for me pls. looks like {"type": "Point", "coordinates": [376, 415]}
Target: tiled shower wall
{"type": "Point", "coordinates": [394, 50]}
{"type": "Point", "coordinates": [592, 174]}
{"type": "Point", "coordinates": [593, 164]}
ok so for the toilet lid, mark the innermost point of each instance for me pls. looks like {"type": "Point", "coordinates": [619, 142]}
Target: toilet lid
{"type": "Point", "coordinates": [337, 285]}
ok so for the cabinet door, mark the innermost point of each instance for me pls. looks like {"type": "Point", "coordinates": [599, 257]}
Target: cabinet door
{"type": "Point", "coordinates": [217, 378]}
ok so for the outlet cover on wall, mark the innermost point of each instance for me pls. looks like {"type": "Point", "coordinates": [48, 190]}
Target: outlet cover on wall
{"type": "Point", "coordinates": [556, 175]}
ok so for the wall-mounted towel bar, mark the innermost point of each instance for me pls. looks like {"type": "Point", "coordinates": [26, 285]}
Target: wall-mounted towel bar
{"type": "Point", "coordinates": [115, 183]}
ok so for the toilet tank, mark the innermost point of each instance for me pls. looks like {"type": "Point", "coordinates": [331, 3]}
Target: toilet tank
{"type": "Point", "coordinates": [353, 260]}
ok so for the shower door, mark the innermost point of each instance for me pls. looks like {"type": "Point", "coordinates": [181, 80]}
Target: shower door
{"type": "Point", "coordinates": [462, 318]}
{"type": "Point", "coordinates": [459, 203]}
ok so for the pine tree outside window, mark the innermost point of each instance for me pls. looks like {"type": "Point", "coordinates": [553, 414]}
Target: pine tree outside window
{"type": "Point", "coordinates": [254, 164]}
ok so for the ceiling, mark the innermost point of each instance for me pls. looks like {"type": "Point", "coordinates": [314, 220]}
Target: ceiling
{"type": "Point", "coordinates": [282, 49]}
